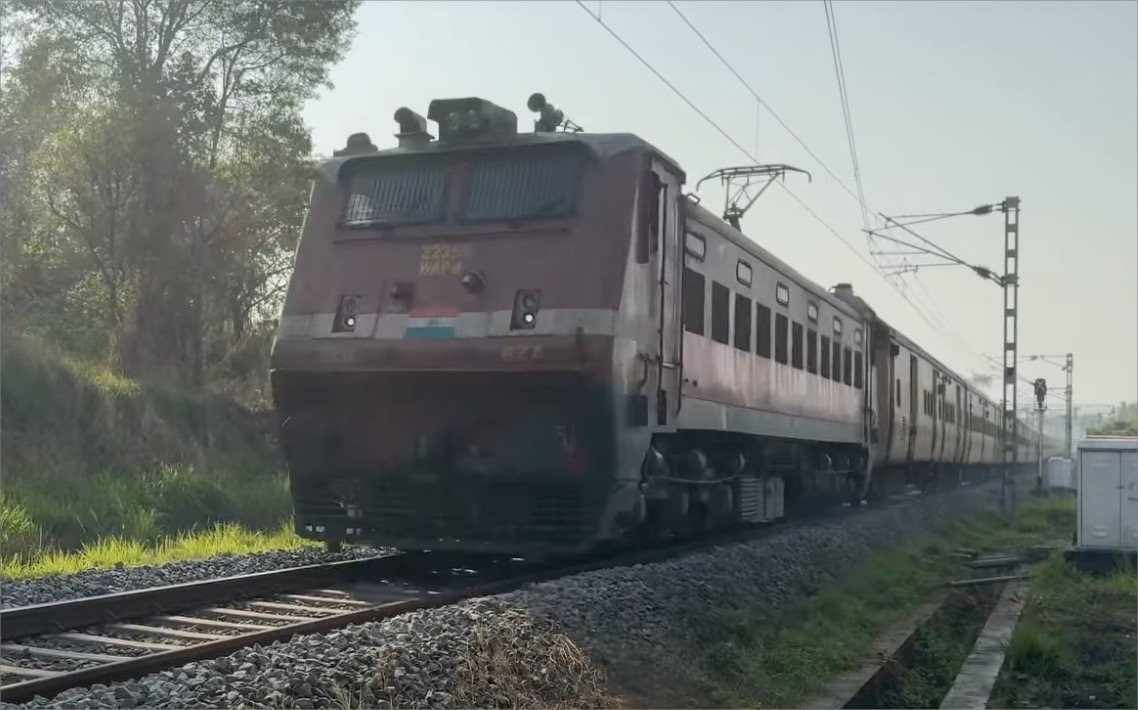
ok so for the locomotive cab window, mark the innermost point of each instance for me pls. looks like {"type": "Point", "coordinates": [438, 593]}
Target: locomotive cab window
{"type": "Point", "coordinates": [742, 323]}
{"type": "Point", "coordinates": [652, 194]}
{"type": "Point", "coordinates": [720, 313]}
{"type": "Point", "coordinates": [528, 185]}
{"type": "Point", "coordinates": [859, 376]}
{"type": "Point", "coordinates": [382, 193]}
{"type": "Point", "coordinates": [847, 366]}
{"type": "Point", "coordinates": [836, 371]}
{"type": "Point", "coordinates": [694, 288]}
{"type": "Point", "coordinates": [780, 339]}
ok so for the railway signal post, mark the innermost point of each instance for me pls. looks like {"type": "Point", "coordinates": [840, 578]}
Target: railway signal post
{"type": "Point", "coordinates": [1040, 408]}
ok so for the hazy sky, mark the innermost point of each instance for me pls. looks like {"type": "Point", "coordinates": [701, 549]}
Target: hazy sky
{"type": "Point", "coordinates": [954, 104]}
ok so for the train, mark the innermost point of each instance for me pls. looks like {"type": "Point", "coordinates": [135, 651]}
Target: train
{"type": "Point", "coordinates": [537, 344]}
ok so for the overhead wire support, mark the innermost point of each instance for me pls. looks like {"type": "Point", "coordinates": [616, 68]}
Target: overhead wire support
{"type": "Point", "coordinates": [875, 267]}
{"type": "Point", "coordinates": [1009, 282]}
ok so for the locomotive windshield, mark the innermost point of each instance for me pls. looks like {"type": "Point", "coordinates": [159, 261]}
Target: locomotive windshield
{"type": "Point", "coordinates": [529, 184]}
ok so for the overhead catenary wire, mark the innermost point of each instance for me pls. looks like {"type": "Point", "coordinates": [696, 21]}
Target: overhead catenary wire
{"type": "Point", "coordinates": [719, 129]}
{"type": "Point", "coordinates": [921, 309]}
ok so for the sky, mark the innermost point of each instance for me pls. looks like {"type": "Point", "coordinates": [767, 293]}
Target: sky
{"type": "Point", "coordinates": [953, 105]}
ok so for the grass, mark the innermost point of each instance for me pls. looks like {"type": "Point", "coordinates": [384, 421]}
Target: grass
{"type": "Point", "coordinates": [940, 647]}
{"type": "Point", "coordinates": [113, 551]}
{"type": "Point", "coordinates": [751, 666]}
{"type": "Point", "coordinates": [93, 462]}
{"type": "Point", "coordinates": [1075, 644]}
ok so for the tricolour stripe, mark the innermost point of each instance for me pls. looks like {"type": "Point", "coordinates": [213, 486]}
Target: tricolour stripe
{"type": "Point", "coordinates": [434, 312]}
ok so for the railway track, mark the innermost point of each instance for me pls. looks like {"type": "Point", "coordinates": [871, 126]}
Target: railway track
{"type": "Point", "coordinates": [48, 648]}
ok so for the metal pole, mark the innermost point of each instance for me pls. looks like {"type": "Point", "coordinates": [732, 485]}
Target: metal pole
{"type": "Point", "coordinates": [1039, 454]}
{"type": "Point", "coordinates": [1010, 282]}
{"type": "Point", "coordinates": [1070, 368]}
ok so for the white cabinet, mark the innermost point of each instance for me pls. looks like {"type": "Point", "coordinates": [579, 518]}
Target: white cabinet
{"type": "Point", "coordinates": [1108, 494]}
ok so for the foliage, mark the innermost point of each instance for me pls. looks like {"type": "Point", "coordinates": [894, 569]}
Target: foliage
{"type": "Point", "coordinates": [1123, 421]}
{"type": "Point", "coordinates": [89, 455]}
{"type": "Point", "coordinates": [749, 665]}
{"type": "Point", "coordinates": [111, 551]}
{"type": "Point", "coordinates": [153, 168]}
{"type": "Point", "coordinates": [1074, 645]}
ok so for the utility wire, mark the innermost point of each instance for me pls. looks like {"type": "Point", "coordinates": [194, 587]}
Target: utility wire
{"type": "Point", "coordinates": [719, 129]}
{"type": "Point", "coordinates": [762, 103]}
{"type": "Point", "coordinates": [648, 65]}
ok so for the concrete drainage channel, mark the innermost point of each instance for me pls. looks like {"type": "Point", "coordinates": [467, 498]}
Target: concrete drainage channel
{"type": "Point", "coordinates": [948, 652]}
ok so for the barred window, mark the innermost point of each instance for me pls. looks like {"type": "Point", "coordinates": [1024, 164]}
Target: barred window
{"type": "Point", "coordinates": [394, 193]}
{"type": "Point", "coordinates": [526, 186]}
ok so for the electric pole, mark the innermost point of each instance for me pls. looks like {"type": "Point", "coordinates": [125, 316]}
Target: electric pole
{"type": "Point", "coordinates": [1009, 282]}
{"type": "Point", "coordinates": [1070, 368]}
{"type": "Point", "coordinates": [1010, 208]}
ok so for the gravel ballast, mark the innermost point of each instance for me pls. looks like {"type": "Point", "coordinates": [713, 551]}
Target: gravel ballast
{"type": "Point", "coordinates": [59, 587]}
{"type": "Point", "coordinates": [537, 647]}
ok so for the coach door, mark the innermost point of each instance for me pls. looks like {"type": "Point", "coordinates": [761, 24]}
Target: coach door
{"type": "Point", "coordinates": [667, 268]}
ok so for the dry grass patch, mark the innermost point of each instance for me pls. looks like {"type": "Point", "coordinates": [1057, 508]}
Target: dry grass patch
{"type": "Point", "coordinates": [503, 659]}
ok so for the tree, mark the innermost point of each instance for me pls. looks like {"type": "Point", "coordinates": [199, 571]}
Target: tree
{"type": "Point", "coordinates": [1123, 421]}
{"type": "Point", "coordinates": [164, 169]}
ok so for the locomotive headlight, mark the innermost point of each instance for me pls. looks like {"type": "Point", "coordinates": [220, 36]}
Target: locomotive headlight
{"type": "Point", "coordinates": [350, 321]}
{"type": "Point", "coordinates": [526, 305]}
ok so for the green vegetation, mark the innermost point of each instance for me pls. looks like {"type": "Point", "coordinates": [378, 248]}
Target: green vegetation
{"type": "Point", "coordinates": [150, 204]}
{"type": "Point", "coordinates": [1074, 646]}
{"type": "Point", "coordinates": [1122, 421]}
{"type": "Point", "coordinates": [748, 665]}
{"type": "Point", "coordinates": [94, 463]}
{"type": "Point", "coordinates": [940, 647]}
{"type": "Point", "coordinates": [112, 551]}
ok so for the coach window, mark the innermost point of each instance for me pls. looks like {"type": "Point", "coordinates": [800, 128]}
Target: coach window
{"type": "Point", "coordinates": [762, 330]}
{"type": "Point", "coordinates": [847, 366]}
{"type": "Point", "coordinates": [742, 323]}
{"type": "Point", "coordinates": [836, 371]}
{"type": "Point", "coordinates": [898, 393]}
{"type": "Point", "coordinates": [743, 272]}
{"type": "Point", "coordinates": [812, 312]}
{"type": "Point", "coordinates": [796, 345]}
{"type": "Point", "coordinates": [782, 294]}
{"type": "Point", "coordinates": [780, 338]}
{"type": "Point", "coordinates": [837, 326]}
{"type": "Point", "coordinates": [812, 351]}
{"type": "Point", "coordinates": [720, 313]}
{"type": "Point", "coordinates": [695, 246]}
{"type": "Point", "coordinates": [693, 301]}
{"type": "Point", "coordinates": [824, 370]}
{"type": "Point", "coordinates": [859, 376]}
